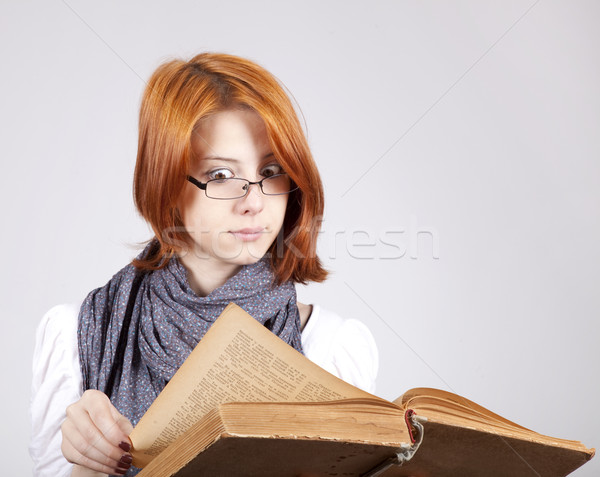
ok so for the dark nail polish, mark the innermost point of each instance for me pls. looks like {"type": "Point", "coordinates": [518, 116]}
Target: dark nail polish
{"type": "Point", "coordinates": [123, 465]}
{"type": "Point", "coordinates": [126, 459]}
{"type": "Point", "coordinates": [125, 446]}
{"type": "Point", "coordinates": [120, 471]}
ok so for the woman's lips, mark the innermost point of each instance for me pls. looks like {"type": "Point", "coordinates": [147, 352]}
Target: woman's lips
{"type": "Point", "coordinates": [248, 234]}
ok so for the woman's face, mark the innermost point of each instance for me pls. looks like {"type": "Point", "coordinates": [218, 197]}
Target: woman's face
{"type": "Point", "coordinates": [230, 233]}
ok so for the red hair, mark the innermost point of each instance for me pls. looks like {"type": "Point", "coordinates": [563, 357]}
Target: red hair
{"type": "Point", "coordinates": [178, 95]}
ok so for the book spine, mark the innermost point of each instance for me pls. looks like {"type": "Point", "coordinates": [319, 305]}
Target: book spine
{"type": "Point", "coordinates": [406, 452]}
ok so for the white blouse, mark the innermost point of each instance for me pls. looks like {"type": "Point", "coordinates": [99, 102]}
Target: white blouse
{"type": "Point", "coordinates": [345, 348]}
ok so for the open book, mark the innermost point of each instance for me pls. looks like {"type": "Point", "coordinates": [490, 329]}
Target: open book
{"type": "Point", "coordinates": [245, 403]}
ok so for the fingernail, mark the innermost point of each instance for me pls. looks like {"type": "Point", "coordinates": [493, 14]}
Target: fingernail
{"type": "Point", "coordinates": [123, 465]}
{"type": "Point", "coordinates": [126, 459]}
{"type": "Point", "coordinates": [125, 446]}
{"type": "Point", "coordinates": [120, 471]}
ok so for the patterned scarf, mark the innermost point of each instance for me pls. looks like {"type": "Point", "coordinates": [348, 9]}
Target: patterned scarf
{"type": "Point", "coordinates": [167, 321]}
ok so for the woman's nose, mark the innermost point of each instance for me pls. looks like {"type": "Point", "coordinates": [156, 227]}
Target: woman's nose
{"type": "Point", "coordinates": [253, 201]}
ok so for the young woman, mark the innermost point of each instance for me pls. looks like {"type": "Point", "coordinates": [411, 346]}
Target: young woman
{"type": "Point", "coordinates": [225, 178]}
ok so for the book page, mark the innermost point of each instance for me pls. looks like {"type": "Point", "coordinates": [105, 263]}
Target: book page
{"type": "Point", "coordinates": [238, 360]}
{"type": "Point", "coordinates": [444, 407]}
{"type": "Point", "coordinates": [441, 401]}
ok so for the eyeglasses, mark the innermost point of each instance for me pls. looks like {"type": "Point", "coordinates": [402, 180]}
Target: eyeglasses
{"type": "Point", "coordinates": [236, 188]}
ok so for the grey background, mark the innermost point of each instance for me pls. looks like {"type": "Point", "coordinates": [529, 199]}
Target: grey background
{"type": "Point", "coordinates": [458, 143]}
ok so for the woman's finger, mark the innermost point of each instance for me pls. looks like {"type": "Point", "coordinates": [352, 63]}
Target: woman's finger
{"type": "Point", "coordinates": [87, 461]}
{"type": "Point", "coordinates": [113, 425]}
{"type": "Point", "coordinates": [122, 422]}
{"type": "Point", "coordinates": [94, 434]}
{"type": "Point", "coordinates": [88, 441]}
{"type": "Point", "coordinates": [110, 427]}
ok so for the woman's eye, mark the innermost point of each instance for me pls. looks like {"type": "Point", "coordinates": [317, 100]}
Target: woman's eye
{"type": "Point", "coordinates": [271, 170]}
{"type": "Point", "coordinates": [219, 174]}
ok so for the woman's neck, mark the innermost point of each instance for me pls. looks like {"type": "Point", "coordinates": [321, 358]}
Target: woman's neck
{"type": "Point", "coordinates": [204, 275]}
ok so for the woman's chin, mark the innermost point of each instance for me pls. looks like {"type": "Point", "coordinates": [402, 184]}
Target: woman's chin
{"type": "Point", "coordinates": [249, 256]}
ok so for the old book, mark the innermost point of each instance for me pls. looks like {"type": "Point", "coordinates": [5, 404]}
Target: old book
{"type": "Point", "coordinates": [244, 403]}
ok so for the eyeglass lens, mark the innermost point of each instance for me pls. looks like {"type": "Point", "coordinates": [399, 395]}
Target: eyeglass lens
{"type": "Point", "coordinates": [233, 188]}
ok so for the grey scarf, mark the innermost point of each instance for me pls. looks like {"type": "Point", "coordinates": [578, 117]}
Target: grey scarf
{"type": "Point", "coordinates": [167, 321]}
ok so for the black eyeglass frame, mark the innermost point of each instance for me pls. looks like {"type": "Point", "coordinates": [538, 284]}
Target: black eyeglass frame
{"type": "Point", "coordinates": [202, 186]}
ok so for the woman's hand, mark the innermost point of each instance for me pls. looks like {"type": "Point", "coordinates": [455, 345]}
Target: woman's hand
{"type": "Point", "coordinates": [79, 471]}
{"type": "Point", "coordinates": [95, 435]}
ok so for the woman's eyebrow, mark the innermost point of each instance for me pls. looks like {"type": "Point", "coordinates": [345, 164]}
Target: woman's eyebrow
{"type": "Point", "coordinates": [231, 159]}
{"type": "Point", "coordinates": [219, 158]}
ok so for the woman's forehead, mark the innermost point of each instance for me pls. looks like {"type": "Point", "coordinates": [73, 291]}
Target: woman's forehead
{"type": "Point", "coordinates": [236, 135]}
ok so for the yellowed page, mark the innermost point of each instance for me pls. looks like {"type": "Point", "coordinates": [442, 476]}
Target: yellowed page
{"type": "Point", "coordinates": [237, 360]}
{"type": "Point", "coordinates": [448, 408]}
{"type": "Point", "coordinates": [418, 397]}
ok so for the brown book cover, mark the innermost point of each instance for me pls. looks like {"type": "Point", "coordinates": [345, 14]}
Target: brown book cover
{"type": "Point", "coordinates": [246, 404]}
